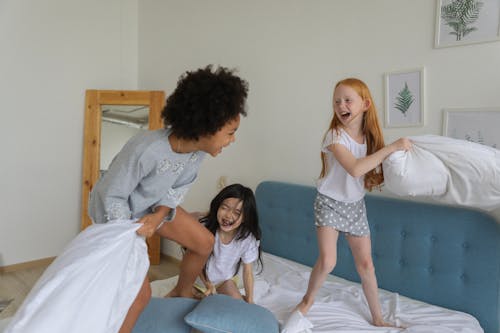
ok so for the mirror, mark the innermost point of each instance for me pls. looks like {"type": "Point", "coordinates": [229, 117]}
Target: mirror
{"type": "Point", "coordinates": [111, 118]}
{"type": "Point", "coordinates": [118, 124]}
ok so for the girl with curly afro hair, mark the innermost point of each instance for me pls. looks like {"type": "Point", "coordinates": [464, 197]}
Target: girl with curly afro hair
{"type": "Point", "coordinates": [148, 179]}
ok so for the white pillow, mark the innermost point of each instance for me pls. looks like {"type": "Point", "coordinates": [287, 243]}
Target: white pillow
{"type": "Point", "coordinates": [90, 286]}
{"type": "Point", "coordinates": [448, 170]}
{"type": "Point", "coordinates": [415, 172]}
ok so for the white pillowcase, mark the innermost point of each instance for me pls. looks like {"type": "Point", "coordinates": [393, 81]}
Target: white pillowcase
{"type": "Point", "coordinates": [417, 172]}
{"type": "Point", "coordinates": [448, 170]}
{"type": "Point", "coordinates": [90, 286]}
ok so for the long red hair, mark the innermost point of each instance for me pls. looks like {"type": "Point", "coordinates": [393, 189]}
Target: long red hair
{"type": "Point", "coordinates": [371, 129]}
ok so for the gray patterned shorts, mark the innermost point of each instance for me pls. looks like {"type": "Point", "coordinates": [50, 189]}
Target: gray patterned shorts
{"type": "Point", "coordinates": [348, 217]}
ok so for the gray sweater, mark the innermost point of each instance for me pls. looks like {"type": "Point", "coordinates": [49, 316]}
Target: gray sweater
{"type": "Point", "coordinates": [146, 173]}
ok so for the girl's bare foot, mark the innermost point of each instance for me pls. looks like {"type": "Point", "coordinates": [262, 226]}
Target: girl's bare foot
{"type": "Point", "coordinates": [382, 323]}
{"type": "Point", "coordinates": [302, 307]}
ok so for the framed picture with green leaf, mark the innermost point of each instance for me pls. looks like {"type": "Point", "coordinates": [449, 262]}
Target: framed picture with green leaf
{"type": "Point", "coordinates": [460, 22]}
{"type": "Point", "coordinates": [404, 98]}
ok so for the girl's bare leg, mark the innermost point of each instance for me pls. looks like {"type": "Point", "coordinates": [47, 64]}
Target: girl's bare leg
{"type": "Point", "coordinates": [191, 234]}
{"type": "Point", "coordinates": [229, 288]}
{"type": "Point", "coordinates": [362, 253]}
{"type": "Point", "coordinates": [327, 243]}
{"type": "Point", "coordinates": [140, 302]}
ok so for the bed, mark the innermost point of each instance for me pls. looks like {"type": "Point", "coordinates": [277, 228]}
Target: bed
{"type": "Point", "coordinates": [439, 265]}
{"type": "Point", "coordinates": [438, 268]}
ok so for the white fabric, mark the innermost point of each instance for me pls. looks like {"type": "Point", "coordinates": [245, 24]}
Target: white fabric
{"type": "Point", "coordinates": [337, 183]}
{"type": "Point", "coordinates": [90, 286]}
{"type": "Point", "coordinates": [221, 265]}
{"type": "Point", "coordinates": [297, 323]}
{"type": "Point", "coordinates": [450, 170]}
{"type": "Point", "coordinates": [341, 306]}
{"type": "Point", "coordinates": [417, 172]}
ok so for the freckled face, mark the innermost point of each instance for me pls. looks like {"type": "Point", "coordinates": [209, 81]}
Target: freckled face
{"type": "Point", "coordinates": [213, 144]}
{"type": "Point", "coordinates": [229, 214]}
{"type": "Point", "coordinates": [348, 105]}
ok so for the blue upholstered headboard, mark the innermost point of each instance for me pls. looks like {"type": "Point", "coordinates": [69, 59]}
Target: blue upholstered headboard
{"type": "Point", "coordinates": [447, 256]}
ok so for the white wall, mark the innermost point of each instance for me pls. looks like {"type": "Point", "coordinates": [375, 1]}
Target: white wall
{"type": "Point", "coordinates": [292, 52]}
{"type": "Point", "coordinates": [50, 52]}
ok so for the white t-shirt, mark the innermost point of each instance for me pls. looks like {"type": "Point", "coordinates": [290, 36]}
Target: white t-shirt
{"type": "Point", "coordinates": [221, 265]}
{"type": "Point", "coordinates": [338, 184]}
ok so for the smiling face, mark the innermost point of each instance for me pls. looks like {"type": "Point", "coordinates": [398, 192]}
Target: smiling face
{"type": "Point", "coordinates": [213, 144]}
{"type": "Point", "coordinates": [349, 106]}
{"type": "Point", "coordinates": [230, 214]}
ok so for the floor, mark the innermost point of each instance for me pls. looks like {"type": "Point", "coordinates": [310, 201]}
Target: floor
{"type": "Point", "coordinates": [14, 286]}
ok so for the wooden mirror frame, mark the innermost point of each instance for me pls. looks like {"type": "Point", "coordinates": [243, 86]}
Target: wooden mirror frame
{"type": "Point", "coordinates": [94, 99]}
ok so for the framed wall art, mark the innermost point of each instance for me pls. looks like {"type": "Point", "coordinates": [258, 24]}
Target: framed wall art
{"type": "Point", "coordinates": [404, 98]}
{"type": "Point", "coordinates": [478, 125]}
{"type": "Point", "coordinates": [460, 22]}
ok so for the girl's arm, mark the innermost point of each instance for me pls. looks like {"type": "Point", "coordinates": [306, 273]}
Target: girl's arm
{"type": "Point", "coordinates": [357, 167]}
{"type": "Point", "coordinates": [248, 281]}
{"type": "Point", "coordinates": [208, 285]}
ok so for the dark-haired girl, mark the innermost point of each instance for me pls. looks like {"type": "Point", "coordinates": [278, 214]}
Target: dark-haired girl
{"type": "Point", "coordinates": [233, 221]}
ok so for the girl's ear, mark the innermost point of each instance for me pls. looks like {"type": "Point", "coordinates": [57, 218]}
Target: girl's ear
{"type": "Point", "coordinates": [367, 103]}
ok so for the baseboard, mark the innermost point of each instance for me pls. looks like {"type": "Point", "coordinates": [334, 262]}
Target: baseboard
{"type": "Point", "coordinates": [26, 265]}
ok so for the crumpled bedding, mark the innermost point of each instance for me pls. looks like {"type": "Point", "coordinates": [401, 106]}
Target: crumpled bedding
{"type": "Point", "coordinates": [447, 170]}
{"type": "Point", "coordinates": [341, 306]}
{"type": "Point", "coordinates": [90, 286]}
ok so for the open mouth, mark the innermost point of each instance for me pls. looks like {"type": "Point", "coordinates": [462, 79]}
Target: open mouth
{"type": "Point", "coordinates": [345, 115]}
{"type": "Point", "coordinates": [227, 223]}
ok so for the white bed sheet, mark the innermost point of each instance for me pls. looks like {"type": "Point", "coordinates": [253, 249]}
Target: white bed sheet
{"type": "Point", "coordinates": [341, 307]}
{"type": "Point", "coordinates": [340, 304]}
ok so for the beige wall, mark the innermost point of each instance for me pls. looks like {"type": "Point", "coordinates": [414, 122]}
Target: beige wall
{"type": "Point", "coordinates": [50, 52]}
{"type": "Point", "coordinates": [290, 51]}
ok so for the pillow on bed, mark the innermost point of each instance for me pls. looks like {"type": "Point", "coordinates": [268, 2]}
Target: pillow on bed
{"type": "Point", "coordinates": [222, 313]}
{"type": "Point", "coordinates": [165, 315]}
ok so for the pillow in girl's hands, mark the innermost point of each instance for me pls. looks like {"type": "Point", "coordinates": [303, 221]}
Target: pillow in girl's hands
{"type": "Point", "coordinates": [221, 313]}
{"type": "Point", "coordinates": [415, 172]}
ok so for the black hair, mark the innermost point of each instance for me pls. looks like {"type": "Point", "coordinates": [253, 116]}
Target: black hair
{"type": "Point", "coordinates": [250, 219]}
{"type": "Point", "coordinates": [204, 101]}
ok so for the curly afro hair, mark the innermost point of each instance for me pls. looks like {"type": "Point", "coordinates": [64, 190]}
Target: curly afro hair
{"type": "Point", "coordinates": [204, 101]}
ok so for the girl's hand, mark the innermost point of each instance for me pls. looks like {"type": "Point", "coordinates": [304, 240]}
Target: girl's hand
{"type": "Point", "coordinates": [210, 289]}
{"type": "Point", "coordinates": [401, 144]}
{"type": "Point", "coordinates": [248, 300]}
{"type": "Point", "coordinates": [150, 223]}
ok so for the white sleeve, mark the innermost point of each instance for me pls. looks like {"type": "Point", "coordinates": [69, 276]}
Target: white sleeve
{"type": "Point", "coordinates": [332, 137]}
{"type": "Point", "coordinates": [251, 250]}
